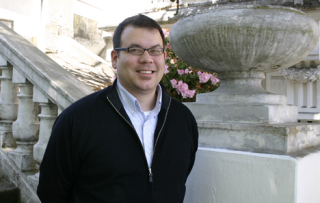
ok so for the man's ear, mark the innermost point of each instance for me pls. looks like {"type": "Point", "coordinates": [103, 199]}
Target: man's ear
{"type": "Point", "coordinates": [114, 59]}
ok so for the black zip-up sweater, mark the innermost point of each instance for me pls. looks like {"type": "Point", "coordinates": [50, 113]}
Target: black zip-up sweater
{"type": "Point", "coordinates": [95, 155]}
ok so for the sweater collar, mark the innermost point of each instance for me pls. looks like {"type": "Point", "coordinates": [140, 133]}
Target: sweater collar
{"type": "Point", "coordinates": [132, 104]}
{"type": "Point", "coordinates": [114, 97]}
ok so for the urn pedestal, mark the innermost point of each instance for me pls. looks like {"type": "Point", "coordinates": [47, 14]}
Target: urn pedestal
{"type": "Point", "coordinates": [251, 148]}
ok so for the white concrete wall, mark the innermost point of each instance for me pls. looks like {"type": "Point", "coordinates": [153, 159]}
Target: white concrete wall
{"type": "Point", "coordinates": [308, 179]}
{"type": "Point", "coordinates": [26, 16]}
{"type": "Point", "coordinates": [225, 176]}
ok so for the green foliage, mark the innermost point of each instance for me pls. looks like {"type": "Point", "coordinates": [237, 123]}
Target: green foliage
{"type": "Point", "coordinates": [199, 84]}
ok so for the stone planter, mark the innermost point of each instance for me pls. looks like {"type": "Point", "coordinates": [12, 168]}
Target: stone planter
{"type": "Point", "coordinates": [242, 43]}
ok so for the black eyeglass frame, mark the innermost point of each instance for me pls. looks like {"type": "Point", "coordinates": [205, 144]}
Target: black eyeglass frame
{"type": "Point", "coordinates": [127, 49]}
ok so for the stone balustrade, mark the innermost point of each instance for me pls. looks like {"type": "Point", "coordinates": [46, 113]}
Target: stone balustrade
{"type": "Point", "coordinates": [29, 80]}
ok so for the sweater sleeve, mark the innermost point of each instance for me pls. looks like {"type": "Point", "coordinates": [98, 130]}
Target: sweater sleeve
{"type": "Point", "coordinates": [57, 177]}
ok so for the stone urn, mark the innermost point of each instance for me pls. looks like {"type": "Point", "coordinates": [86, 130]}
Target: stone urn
{"type": "Point", "coordinates": [241, 44]}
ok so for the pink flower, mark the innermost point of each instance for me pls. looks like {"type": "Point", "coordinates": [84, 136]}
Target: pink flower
{"type": "Point", "coordinates": [183, 89]}
{"type": "Point", "coordinates": [167, 57]}
{"type": "Point", "coordinates": [214, 80]}
{"type": "Point", "coordinates": [173, 83]}
{"type": "Point", "coordinates": [166, 69]}
{"type": "Point", "coordinates": [180, 72]}
{"type": "Point", "coordinates": [165, 32]}
{"type": "Point", "coordinates": [167, 46]}
{"type": "Point", "coordinates": [188, 94]}
{"type": "Point", "coordinates": [204, 77]}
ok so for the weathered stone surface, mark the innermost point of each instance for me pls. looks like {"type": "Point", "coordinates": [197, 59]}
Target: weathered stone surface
{"type": "Point", "coordinates": [87, 33]}
{"type": "Point", "coordinates": [8, 192]}
{"type": "Point", "coordinates": [241, 43]}
{"type": "Point", "coordinates": [56, 83]}
{"type": "Point", "coordinates": [8, 106]}
{"type": "Point", "coordinates": [237, 99]}
{"type": "Point", "coordinates": [244, 38]}
{"type": "Point", "coordinates": [25, 129]}
{"type": "Point", "coordinates": [302, 75]}
{"type": "Point", "coordinates": [10, 172]}
{"type": "Point", "coordinates": [6, 137]}
{"type": "Point", "coordinates": [34, 180]}
{"type": "Point", "coordinates": [23, 158]}
{"type": "Point", "coordinates": [275, 139]}
{"type": "Point", "coordinates": [83, 64]}
{"type": "Point", "coordinates": [240, 98]}
{"type": "Point", "coordinates": [93, 76]}
{"type": "Point", "coordinates": [49, 113]}
{"type": "Point", "coordinates": [256, 113]}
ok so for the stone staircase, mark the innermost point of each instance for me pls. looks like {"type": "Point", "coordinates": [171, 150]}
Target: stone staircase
{"type": "Point", "coordinates": [8, 192]}
{"type": "Point", "coordinates": [30, 81]}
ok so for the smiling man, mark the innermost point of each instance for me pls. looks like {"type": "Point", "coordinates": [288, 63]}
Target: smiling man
{"type": "Point", "coordinates": [128, 143]}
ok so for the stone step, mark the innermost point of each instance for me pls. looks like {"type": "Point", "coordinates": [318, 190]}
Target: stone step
{"type": "Point", "coordinates": [8, 192]}
{"type": "Point", "coordinates": [262, 138]}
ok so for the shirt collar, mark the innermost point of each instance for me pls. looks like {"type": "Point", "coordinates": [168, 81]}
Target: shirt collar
{"type": "Point", "coordinates": [132, 104]}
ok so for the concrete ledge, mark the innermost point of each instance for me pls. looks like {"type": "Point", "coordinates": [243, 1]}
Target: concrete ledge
{"type": "Point", "coordinates": [236, 99]}
{"type": "Point", "coordinates": [275, 139]}
{"type": "Point", "coordinates": [263, 114]}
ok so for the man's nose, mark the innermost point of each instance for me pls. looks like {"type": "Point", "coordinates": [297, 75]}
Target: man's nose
{"type": "Point", "coordinates": [146, 57]}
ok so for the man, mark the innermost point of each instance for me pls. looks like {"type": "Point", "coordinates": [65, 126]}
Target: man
{"type": "Point", "coordinates": [130, 142]}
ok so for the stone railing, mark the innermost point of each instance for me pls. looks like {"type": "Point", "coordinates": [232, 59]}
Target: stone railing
{"type": "Point", "coordinates": [301, 84]}
{"type": "Point", "coordinates": [31, 82]}
{"type": "Point", "coordinates": [302, 89]}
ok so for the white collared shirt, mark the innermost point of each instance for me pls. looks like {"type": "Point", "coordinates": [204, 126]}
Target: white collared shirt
{"type": "Point", "coordinates": [144, 122]}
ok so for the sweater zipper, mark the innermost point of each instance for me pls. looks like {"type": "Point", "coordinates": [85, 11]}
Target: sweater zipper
{"type": "Point", "coordinates": [149, 169]}
{"type": "Point", "coordinates": [154, 148]}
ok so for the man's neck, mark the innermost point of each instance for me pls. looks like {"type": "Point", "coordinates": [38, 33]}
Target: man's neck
{"type": "Point", "coordinates": [147, 101]}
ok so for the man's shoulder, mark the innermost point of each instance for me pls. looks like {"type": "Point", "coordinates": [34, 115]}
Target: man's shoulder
{"type": "Point", "coordinates": [88, 103]}
{"type": "Point", "coordinates": [180, 109]}
{"type": "Point", "coordinates": [177, 104]}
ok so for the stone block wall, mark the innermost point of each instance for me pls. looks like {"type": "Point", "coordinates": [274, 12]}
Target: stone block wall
{"type": "Point", "coordinates": [86, 32]}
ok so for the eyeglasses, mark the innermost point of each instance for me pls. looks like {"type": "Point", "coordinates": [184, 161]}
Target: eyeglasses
{"type": "Point", "coordinates": [140, 51]}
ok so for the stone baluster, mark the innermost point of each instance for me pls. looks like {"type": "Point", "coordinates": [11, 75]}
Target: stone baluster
{"type": "Point", "coordinates": [49, 112]}
{"type": "Point", "coordinates": [26, 128]}
{"type": "Point", "coordinates": [8, 106]}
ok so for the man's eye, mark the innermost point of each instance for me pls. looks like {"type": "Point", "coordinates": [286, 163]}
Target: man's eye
{"type": "Point", "coordinates": [135, 50]}
{"type": "Point", "coordinates": [155, 51]}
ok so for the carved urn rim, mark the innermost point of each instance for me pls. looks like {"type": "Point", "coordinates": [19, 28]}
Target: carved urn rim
{"type": "Point", "coordinates": [244, 38]}
{"type": "Point", "coordinates": [254, 6]}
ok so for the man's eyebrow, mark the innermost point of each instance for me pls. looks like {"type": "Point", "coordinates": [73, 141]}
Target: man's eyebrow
{"type": "Point", "coordinates": [137, 45]}
{"type": "Point", "coordinates": [134, 45]}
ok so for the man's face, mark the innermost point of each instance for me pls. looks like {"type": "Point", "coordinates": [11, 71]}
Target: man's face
{"type": "Point", "coordinates": [139, 74]}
